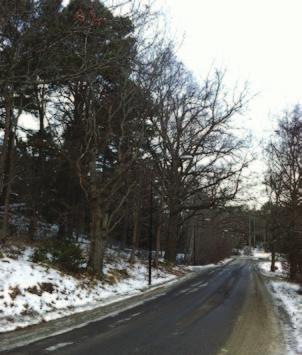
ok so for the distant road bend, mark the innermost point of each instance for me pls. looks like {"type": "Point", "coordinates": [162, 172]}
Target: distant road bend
{"type": "Point", "coordinates": [226, 310]}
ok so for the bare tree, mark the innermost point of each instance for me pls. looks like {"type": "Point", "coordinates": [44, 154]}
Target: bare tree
{"type": "Point", "coordinates": [284, 182]}
{"type": "Point", "coordinates": [195, 150]}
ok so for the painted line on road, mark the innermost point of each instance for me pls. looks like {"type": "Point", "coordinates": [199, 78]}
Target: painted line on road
{"type": "Point", "coordinates": [200, 284]}
{"type": "Point", "coordinates": [58, 346]}
{"type": "Point", "coordinates": [121, 321]}
{"type": "Point", "coordinates": [187, 291]}
{"type": "Point", "coordinates": [195, 289]}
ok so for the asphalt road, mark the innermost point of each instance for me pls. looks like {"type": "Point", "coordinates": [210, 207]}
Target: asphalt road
{"type": "Point", "coordinates": [222, 311]}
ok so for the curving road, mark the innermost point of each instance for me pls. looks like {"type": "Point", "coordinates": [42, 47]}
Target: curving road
{"type": "Point", "coordinates": [226, 310]}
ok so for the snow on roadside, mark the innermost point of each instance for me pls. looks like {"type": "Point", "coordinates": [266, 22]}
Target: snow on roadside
{"type": "Point", "coordinates": [209, 266]}
{"type": "Point", "coordinates": [265, 267]}
{"type": "Point", "coordinates": [32, 293]}
{"type": "Point", "coordinates": [287, 296]}
{"type": "Point", "coordinates": [261, 254]}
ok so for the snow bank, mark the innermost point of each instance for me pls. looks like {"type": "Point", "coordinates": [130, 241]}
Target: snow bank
{"type": "Point", "coordinates": [32, 293]}
{"type": "Point", "coordinates": [209, 266]}
{"type": "Point", "coordinates": [265, 267]}
{"type": "Point", "coordinates": [287, 296]}
{"type": "Point", "coordinates": [261, 254]}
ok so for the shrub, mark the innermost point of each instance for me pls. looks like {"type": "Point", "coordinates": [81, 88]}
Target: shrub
{"type": "Point", "coordinates": [64, 254]}
{"type": "Point", "coordinates": [41, 255]}
{"type": "Point", "coordinates": [68, 255]}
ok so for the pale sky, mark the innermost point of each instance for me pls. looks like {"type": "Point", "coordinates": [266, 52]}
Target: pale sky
{"type": "Point", "coordinates": [258, 41]}
{"type": "Point", "coordinates": [255, 40]}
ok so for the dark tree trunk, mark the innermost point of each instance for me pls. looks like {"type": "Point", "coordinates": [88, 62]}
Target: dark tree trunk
{"type": "Point", "coordinates": [8, 168]}
{"type": "Point", "coordinates": [98, 225]}
{"type": "Point", "coordinates": [125, 234]}
{"type": "Point", "coordinates": [157, 243]}
{"type": "Point", "coordinates": [171, 241]}
{"type": "Point", "coordinates": [136, 234]}
{"type": "Point", "coordinates": [273, 267]}
{"type": "Point", "coordinates": [292, 266]}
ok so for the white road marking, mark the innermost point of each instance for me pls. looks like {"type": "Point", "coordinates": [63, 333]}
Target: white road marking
{"type": "Point", "coordinates": [120, 321]}
{"type": "Point", "coordinates": [192, 289]}
{"type": "Point", "coordinates": [204, 284]}
{"type": "Point", "coordinates": [57, 346]}
{"type": "Point", "coordinates": [195, 289]}
{"type": "Point", "coordinates": [182, 291]}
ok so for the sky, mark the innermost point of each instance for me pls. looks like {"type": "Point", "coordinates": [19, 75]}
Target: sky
{"type": "Point", "coordinates": [258, 41]}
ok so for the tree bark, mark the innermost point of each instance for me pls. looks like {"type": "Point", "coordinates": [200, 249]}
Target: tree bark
{"type": "Point", "coordinates": [157, 243]}
{"type": "Point", "coordinates": [171, 241]}
{"type": "Point", "coordinates": [135, 235]}
{"type": "Point", "coordinates": [273, 267]}
{"type": "Point", "coordinates": [8, 161]}
{"type": "Point", "coordinates": [97, 225]}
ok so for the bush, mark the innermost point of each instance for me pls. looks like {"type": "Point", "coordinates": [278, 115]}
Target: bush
{"type": "Point", "coordinates": [41, 255]}
{"type": "Point", "coordinates": [64, 254]}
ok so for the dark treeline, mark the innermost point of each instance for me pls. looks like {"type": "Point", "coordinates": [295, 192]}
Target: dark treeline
{"type": "Point", "coordinates": [284, 185]}
{"type": "Point", "coordinates": [123, 129]}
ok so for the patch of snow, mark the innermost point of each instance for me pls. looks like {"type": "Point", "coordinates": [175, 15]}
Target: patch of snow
{"type": "Point", "coordinates": [31, 293]}
{"type": "Point", "coordinates": [209, 266]}
{"type": "Point", "coordinates": [287, 296]}
{"type": "Point", "coordinates": [265, 267]}
{"type": "Point", "coordinates": [261, 254]}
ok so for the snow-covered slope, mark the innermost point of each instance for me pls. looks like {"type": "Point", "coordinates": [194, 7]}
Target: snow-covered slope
{"type": "Point", "coordinates": [32, 293]}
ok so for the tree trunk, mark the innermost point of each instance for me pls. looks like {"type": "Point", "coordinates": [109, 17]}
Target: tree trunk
{"type": "Point", "coordinates": [125, 234]}
{"type": "Point", "coordinates": [157, 243]}
{"type": "Point", "coordinates": [8, 172]}
{"type": "Point", "coordinates": [136, 235]}
{"type": "Point", "coordinates": [98, 225]}
{"type": "Point", "coordinates": [292, 266]}
{"type": "Point", "coordinates": [273, 267]}
{"type": "Point", "coordinates": [7, 130]}
{"type": "Point", "coordinates": [33, 224]}
{"type": "Point", "coordinates": [171, 241]}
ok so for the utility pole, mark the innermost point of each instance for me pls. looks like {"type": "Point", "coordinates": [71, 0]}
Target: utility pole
{"type": "Point", "coordinates": [150, 230]}
{"type": "Point", "coordinates": [250, 235]}
{"type": "Point", "coordinates": [194, 243]}
{"type": "Point", "coordinates": [254, 231]}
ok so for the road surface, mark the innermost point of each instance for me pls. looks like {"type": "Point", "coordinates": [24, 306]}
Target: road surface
{"type": "Point", "coordinates": [226, 310]}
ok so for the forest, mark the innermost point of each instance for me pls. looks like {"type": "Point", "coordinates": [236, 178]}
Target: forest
{"type": "Point", "coordinates": [107, 137]}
